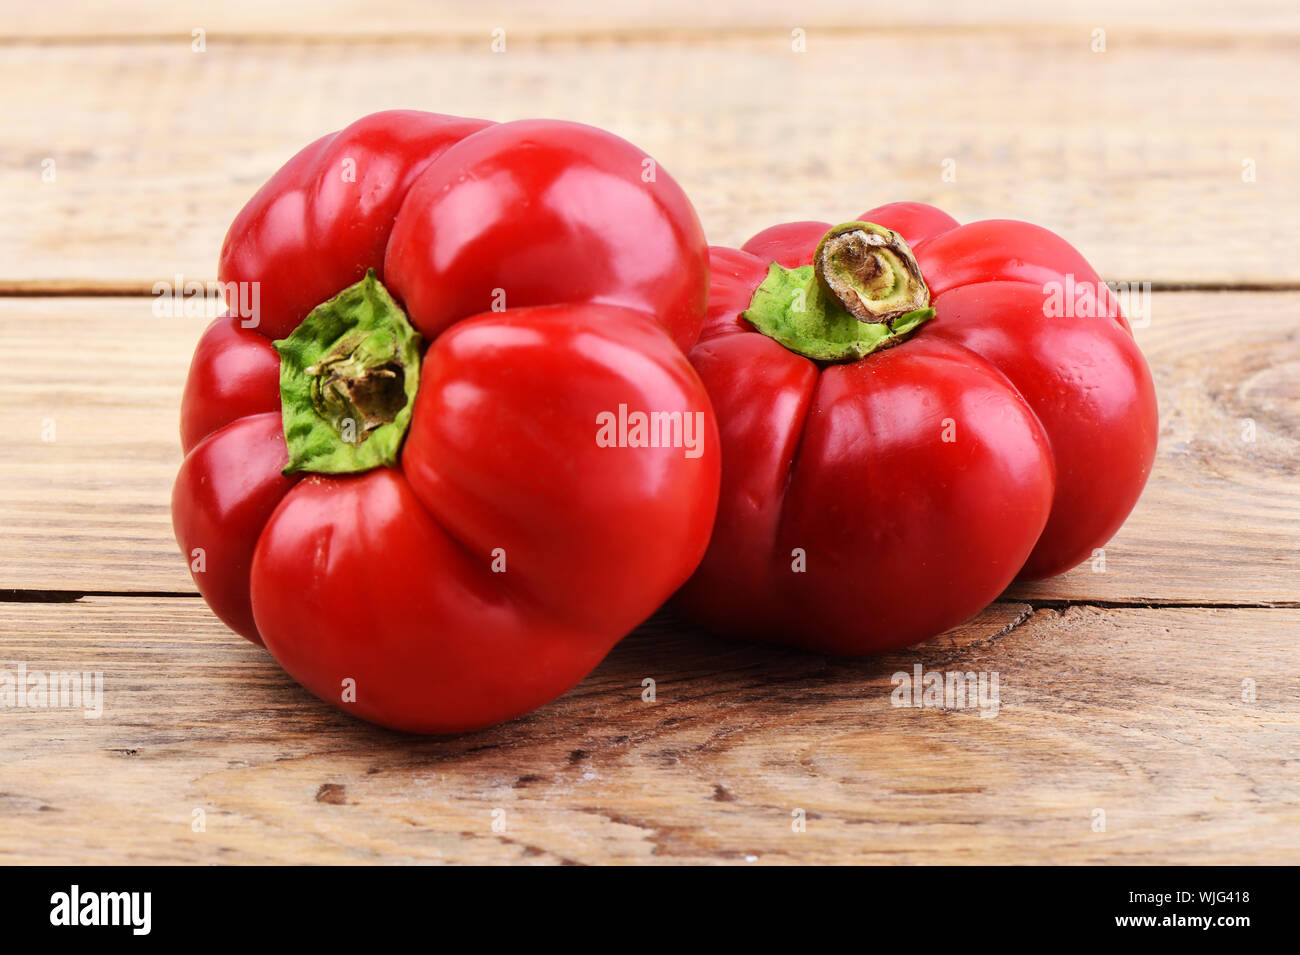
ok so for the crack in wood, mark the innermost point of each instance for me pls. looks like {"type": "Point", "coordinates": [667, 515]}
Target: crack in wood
{"type": "Point", "coordinates": [18, 595]}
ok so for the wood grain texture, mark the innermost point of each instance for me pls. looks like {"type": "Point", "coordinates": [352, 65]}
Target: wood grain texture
{"type": "Point", "coordinates": [86, 487]}
{"type": "Point", "coordinates": [1139, 713]}
{"type": "Point", "coordinates": [1218, 523]}
{"type": "Point", "coordinates": [155, 147]}
{"type": "Point", "coordinates": [332, 19]}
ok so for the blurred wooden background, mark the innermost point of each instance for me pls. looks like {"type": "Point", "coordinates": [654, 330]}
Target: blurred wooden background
{"type": "Point", "coordinates": [1162, 139]}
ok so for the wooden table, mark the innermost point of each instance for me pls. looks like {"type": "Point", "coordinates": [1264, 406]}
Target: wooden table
{"type": "Point", "coordinates": [1149, 712]}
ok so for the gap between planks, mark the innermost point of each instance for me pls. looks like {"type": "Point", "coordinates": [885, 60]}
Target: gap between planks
{"type": "Point", "coordinates": [1034, 603]}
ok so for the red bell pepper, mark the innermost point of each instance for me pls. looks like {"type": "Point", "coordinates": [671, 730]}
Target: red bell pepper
{"type": "Point", "coordinates": [907, 425]}
{"type": "Point", "coordinates": [396, 478]}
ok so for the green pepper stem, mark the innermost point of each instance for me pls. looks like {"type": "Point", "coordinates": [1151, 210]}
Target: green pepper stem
{"type": "Point", "coordinates": [359, 380]}
{"type": "Point", "coordinates": [871, 271]}
{"type": "Point", "coordinates": [863, 292]}
{"type": "Point", "coordinates": [348, 379]}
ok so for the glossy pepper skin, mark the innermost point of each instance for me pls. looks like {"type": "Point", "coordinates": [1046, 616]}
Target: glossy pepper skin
{"type": "Point", "coordinates": [494, 563]}
{"type": "Point", "coordinates": [915, 483]}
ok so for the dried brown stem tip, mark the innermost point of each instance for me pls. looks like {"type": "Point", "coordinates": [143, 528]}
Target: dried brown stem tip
{"type": "Point", "coordinates": [871, 272]}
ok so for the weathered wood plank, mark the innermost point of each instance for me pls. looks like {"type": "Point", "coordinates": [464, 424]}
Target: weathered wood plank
{"type": "Point", "coordinates": [568, 18]}
{"type": "Point", "coordinates": [156, 147]}
{"type": "Point", "coordinates": [1139, 713]}
{"type": "Point", "coordinates": [88, 511]}
{"type": "Point", "coordinates": [86, 486]}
